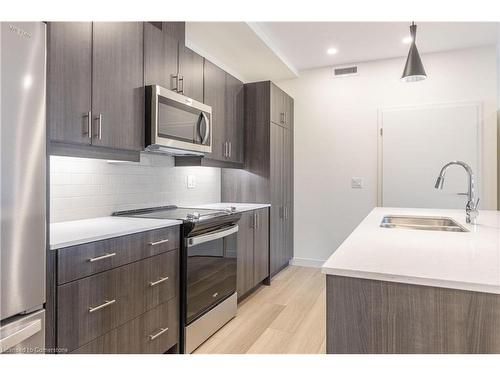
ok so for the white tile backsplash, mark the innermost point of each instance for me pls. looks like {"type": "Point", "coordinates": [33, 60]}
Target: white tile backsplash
{"type": "Point", "coordinates": [85, 188]}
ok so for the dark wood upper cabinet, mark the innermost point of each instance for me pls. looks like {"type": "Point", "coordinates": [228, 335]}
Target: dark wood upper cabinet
{"type": "Point", "coordinates": [281, 107]}
{"type": "Point", "coordinates": [277, 105]}
{"type": "Point", "coordinates": [234, 125]}
{"type": "Point", "coordinates": [169, 63]}
{"type": "Point", "coordinates": [288, 111]}
{"type": "Point", "coordinates": [69, 67]}
{"type": "Point", "coordinates": [161, 53]}
{"type": "Point", "coordinates": [190, 73]}
{"type": "Point", "coordinates": [225, 94]}
{"type": "Point", "coordinates": [117, 85]}
{"type": "Point", "coordinates": [215, 93]}
{"type": "Point", "coordinates": [95, 89]}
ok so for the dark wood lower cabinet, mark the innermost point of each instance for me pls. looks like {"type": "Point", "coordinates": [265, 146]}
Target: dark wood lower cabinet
{"type": "Point", "coordinates": [90, 307]}
{"type": "Point", "coordinates": [253, 250]}
{"type": "Point", "coordinates": [151, 333]}
{"type": "Point", "coordinates": [245, 240]}
{"type": "Point", "coordinates": [380, 317]}
{"type": "Point", "coordinates": [261, 246]}
{"type": "Point", "coordinates": [119, 308]}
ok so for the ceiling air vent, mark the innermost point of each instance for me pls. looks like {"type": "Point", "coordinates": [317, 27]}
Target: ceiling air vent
{"type": "Point", "coordinates": [345, 71]}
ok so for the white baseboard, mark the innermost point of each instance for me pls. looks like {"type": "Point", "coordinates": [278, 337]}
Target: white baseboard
{"type": "Point", "coordinates": [307, 262]}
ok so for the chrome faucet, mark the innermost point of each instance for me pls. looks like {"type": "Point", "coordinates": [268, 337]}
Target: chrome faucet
{"type": "Point", "coordinates": [471, 211]}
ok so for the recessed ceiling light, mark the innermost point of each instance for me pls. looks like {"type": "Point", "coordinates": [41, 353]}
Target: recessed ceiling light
{"type": "Point", "coordinates": [407, 40]}
{"type": "Point", "coordinates": [331, 51]}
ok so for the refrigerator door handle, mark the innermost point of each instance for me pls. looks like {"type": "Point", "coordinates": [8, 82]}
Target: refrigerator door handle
{"type": "Point", "coordinates": [20, 335]}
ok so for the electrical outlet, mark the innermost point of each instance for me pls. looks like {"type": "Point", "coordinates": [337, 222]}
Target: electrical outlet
{"type": "Point", "coordinates": [191, 181]}
{"type": "Point", "coordinates": [357, 183]}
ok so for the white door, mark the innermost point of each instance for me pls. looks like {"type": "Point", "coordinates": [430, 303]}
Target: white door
{"type": "Point", "coordinates": [415, 143]}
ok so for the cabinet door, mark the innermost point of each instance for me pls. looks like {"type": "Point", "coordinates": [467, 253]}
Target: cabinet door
{"type": "Point", "coordinates": [288, 194]}
{"type": "Point", "coordinates": [277, 105]}
{"type": "Point", "coordinates": [118, 85]}
{"type": "Point", "coordinates": [235, 118]}
{"type": "Point", "coordinates": [215, 92]}
{"type": "Point", "coordinates": [277, 247]}
{"type": "Point", "coordinates": [191, 71]}
{"type": "Point", "coordinates": [288, 111]}
{"type": "Point", "coordinates": [135, 336]}
{"type": "Point", "coordinates": [69, 67]}
{"type": "Point", "coordinates": [244, 272]}
{"type": "Point", "coordinates": [261, 246]}
{"type": "Point", "coordinates": [161, 54]}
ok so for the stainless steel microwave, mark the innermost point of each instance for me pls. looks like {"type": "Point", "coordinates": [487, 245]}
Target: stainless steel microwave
{"type": "Point", "coordinates": [176, 124]}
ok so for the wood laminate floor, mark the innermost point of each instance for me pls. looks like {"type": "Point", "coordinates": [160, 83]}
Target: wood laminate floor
{"type": "Point", "coordinates": [288, 317]}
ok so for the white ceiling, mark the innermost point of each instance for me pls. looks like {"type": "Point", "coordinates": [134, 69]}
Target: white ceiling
{"type": "Point", "coordinates": [305, 43]}
{"type": "Point", "coordinates": [279, 50]}
{"type": "Point", "coordinates": [238, 49]}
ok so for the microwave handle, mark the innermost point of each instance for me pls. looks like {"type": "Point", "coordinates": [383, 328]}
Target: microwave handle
{"type": "Point", "coordinates": [207, 127]}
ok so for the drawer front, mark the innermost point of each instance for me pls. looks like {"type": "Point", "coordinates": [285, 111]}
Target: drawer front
{"type": "Point", "coordinates": [154, 332]}
{"type": "Point", "coordinates": [90, 307]}
{"type": "Point", "coordinates": [84, 260]}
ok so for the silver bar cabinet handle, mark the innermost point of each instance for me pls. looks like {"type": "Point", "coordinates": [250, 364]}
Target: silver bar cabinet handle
{"type": "Point", "coordinates": [156, 335]}
{"type": "Point", "coordinates": [99, 126]}
{"type": "Point", "coordinates": [158, 242]}
{"type": "Point", "coordinates": [230, 148]}
{"type": "Point", "coordinates": [181, 80]}
{"type": "Point", "coordinates": [105, 256]}
{"type": "Point", "coordinates": [105, 304]}
{"type": "Point", "coordinates": [163, 279]}
{"type": "Point", "coordinates": [175, 77]}
{"type": "Point", "coordinates": [89, 123]}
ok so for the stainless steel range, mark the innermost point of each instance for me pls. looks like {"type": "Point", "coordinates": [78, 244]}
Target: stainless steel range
{"type": "Point", "coordinates": [208, 268]}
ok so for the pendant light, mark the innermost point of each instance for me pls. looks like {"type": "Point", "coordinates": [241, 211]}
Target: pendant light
{"type": "Point", "coordinates": [414, 69]}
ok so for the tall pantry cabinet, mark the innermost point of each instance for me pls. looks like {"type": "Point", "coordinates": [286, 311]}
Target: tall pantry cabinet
{"type": "Point", "coordinates": [268, 173]}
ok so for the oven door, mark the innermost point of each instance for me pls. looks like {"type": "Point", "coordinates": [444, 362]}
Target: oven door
{"type": "Point", "coordinates": [177, 122]}
{"type": "Point", "coordinates": [211, 270]}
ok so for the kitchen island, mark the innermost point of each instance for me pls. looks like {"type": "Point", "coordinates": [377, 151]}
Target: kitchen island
{"type": "Point", "coordinates": [398, 290]}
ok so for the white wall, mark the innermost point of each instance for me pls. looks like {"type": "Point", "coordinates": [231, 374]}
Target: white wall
{"type": "Point", "coordinates": [85, 188]}
{"type": "Point", "coordinates": [336, 136]}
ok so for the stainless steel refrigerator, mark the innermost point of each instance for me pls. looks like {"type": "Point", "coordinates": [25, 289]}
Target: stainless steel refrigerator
{"type": "Point", "coordinates": [23, 186]}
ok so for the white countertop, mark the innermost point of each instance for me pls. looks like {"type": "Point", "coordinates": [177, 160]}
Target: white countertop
{"type": "Point", "coordinates": [70, 233]}
{"type": "Point", "coordinates": [467, 261]}
{"type": "Point", "coordinates": [240, 207]}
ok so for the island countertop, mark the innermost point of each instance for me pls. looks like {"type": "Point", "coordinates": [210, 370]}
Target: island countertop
{"type": "Point", "coordinates": [466, 261]}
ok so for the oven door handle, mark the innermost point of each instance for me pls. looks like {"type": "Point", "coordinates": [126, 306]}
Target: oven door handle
{"type": "Point", "coordinates": [196, 240]}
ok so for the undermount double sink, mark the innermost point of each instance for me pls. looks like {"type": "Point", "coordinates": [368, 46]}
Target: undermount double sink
{"type": "Point", "coordinates": [436, 223]}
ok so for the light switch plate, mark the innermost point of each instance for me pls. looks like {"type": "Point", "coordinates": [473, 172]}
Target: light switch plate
{"type": "Point", "coordinates": [357, 182]}
{"type": "Point", "coordinates": [191, 181]}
